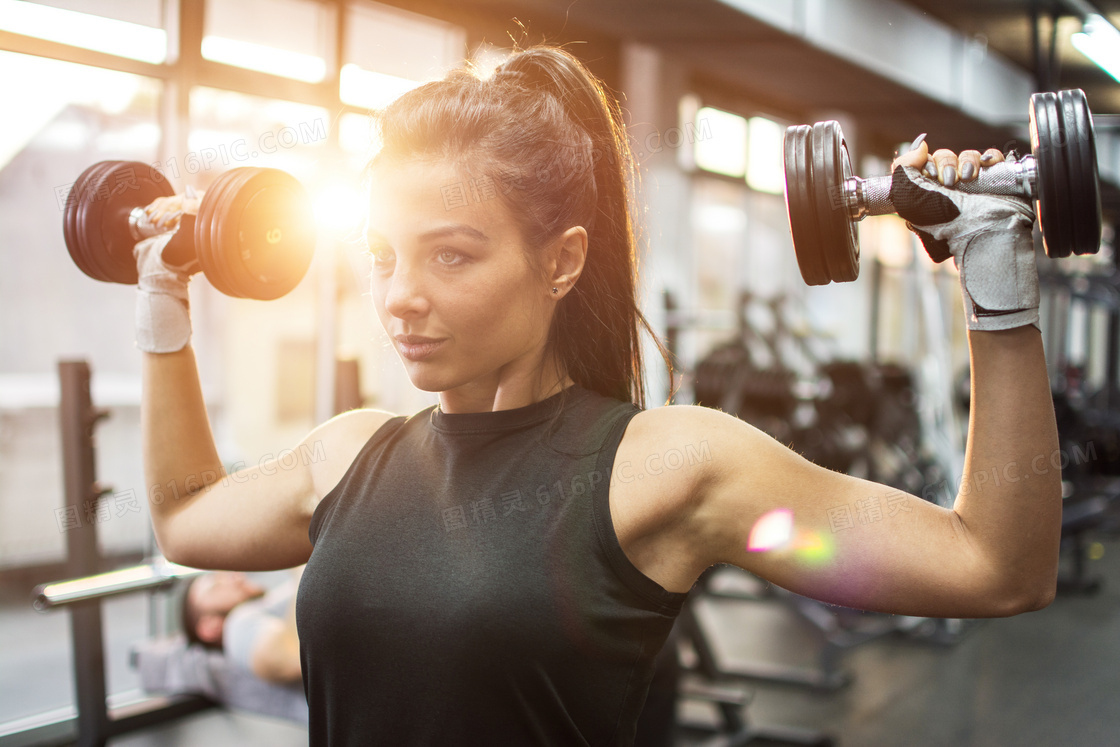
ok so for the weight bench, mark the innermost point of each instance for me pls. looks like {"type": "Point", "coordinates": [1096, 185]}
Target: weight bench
{"type": "Point", "coordinates": [170, 665]}
{"type": "Point", "coordinates": [181, 678]}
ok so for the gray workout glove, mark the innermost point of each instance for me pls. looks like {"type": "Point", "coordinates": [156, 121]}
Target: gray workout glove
{"type": "Point", "coordinates": [163, 318]}
{"type": "Point", "coordinates": [989, 238]}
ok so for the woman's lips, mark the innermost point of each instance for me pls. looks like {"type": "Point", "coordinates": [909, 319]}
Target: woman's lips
{"type": "Point", "coordinates": [415, 351]}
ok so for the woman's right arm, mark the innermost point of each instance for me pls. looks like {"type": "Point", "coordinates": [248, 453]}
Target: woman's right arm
{"type": "Point", "coordinates": [254, 520]}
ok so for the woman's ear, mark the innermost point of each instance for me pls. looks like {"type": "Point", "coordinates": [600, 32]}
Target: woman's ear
{"type": "Point", "coordinates": [568, 256]}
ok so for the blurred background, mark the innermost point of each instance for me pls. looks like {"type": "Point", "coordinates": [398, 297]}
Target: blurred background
{"type": "Point", "coordinates": [197, 87]}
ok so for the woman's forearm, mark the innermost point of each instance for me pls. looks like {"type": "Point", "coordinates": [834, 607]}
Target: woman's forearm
{"type": "Point", "coordinates": [1010, 506]}
{"type": "Point", "coordinates": [179, 452]}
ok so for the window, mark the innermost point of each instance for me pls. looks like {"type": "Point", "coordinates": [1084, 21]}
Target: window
{"type": "Point", "coordinates": [725, 150]}
{"type": "Point", "coordinates": [133, 30]}
{"type": "Point", "coordinates": [291, 38]}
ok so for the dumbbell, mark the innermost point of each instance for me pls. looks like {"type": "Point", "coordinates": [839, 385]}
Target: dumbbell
{"type": "Point", "coordinates": [825, 200]}
{"type": "Point", "coordinates": [254, 235]}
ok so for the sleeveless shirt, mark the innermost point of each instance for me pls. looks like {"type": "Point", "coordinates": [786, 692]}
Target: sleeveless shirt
{"type": "Point", "coordinates": [466, 585]}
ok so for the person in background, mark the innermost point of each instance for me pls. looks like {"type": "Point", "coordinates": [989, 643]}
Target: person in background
{"type": "Point", "coordinates": [255, 629]}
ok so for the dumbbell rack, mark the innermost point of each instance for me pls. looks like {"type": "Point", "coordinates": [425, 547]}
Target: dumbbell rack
{"type": "Point", "coordinates": [95, 722]}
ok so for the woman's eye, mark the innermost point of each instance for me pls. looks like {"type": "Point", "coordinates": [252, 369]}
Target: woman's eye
{"type": "Point", "coordinates": [449, 257]}
{"type": "Point", "coordinates": [380, 255]}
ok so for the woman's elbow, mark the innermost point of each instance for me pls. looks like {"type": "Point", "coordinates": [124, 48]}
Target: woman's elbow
{"type": "Point", "coordinates": [1041, 598]}
{"type": "Point", "coordinates": [1030, 598]}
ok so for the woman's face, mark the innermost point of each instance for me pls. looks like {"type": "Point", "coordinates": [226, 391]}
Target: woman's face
{"type": "Point", "coordinates": [452, 283]}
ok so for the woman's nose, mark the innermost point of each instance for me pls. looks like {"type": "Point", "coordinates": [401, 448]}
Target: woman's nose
{"type": "Point", "coordinates": [404, 294]}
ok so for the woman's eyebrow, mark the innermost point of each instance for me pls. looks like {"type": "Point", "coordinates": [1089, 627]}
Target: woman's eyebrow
{"type": "Point", "coordinates": [439, 233]}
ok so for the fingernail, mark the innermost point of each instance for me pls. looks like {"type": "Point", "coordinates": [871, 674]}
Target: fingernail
{"type": "Point", "coordinates": [986, 157]}
{"type": "Point", "coordinates": [917, 142]}
{"type": "Point", "coordinates": [931, 169]}
{"type": "Point", "coordinates": [968, 170]}
{"type": "Point", "coordinates": [948, 176]}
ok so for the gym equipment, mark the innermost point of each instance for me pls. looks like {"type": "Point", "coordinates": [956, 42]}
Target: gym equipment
{"type": "Point", "coordinates": [253, 236]}
{"type": "Point", "coordinates": [95, 723]}
{"type": "Point", "coordinates": [825, 200]}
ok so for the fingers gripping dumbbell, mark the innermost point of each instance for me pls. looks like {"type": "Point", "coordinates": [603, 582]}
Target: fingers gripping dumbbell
{"type": "Point", "coordinates": [825, 199]}
{"type": "Point", "coordinates": [253, 236]}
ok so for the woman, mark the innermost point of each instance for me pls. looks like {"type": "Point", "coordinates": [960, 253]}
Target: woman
{"type": "Point", "coordinates": [504, 567]}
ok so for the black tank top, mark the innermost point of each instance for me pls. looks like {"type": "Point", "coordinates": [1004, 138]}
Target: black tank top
{"type": "Point", "coordinates": [466, 585]}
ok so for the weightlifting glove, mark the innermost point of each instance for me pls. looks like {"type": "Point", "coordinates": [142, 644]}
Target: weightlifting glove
{"type": "Point", "coordinates": [163, 319]}
{"type": "Point", "coordinates": [989, 239]}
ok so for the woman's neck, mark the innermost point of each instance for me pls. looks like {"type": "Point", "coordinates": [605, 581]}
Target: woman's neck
{"type": "Point", "coordinates": [510, 394]}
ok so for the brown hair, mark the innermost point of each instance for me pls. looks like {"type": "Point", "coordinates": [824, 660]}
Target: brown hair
{"type": "Point", "coordinates": [547, 137]}
{"type": "Point", "coordinates": [189, 617]}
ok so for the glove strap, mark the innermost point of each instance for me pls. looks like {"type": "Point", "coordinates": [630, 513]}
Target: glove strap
{"type": "Point", "coordinates": [163, 318]}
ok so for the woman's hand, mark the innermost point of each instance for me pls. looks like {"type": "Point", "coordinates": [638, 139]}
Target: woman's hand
{"type": "Point", "coordinates": [946, 166]}
{"type": "Point", "coordinates": [988, 236]}
{"type": "Point", "coordinates": [165, 212]}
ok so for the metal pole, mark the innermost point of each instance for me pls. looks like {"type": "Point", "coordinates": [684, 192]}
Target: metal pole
{"type": "Point", "coordinates": [876, 291]}
{"type": "Point", "coordinates": [78, 418]}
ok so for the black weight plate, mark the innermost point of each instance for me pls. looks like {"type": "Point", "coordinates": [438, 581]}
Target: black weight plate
{"type": "Point", "coordinates": [800, 206]}
{"type": "Point", "coordinates": [1049, 143]}
{"type": "Point", "coordinates": [272, 236]}
{"type": "Point", "coordinates": [69, 217]}
{"type": "Point", "coordinates": [223, 233]}
{"type": "Point", "coordinates": [1084, 185]}
{"type": "Point", "coordinates": [202, 225]}
{"type": "Point", "coordinates": [275, 234]}
{"type": "Point", "coordinates": [95, 218]}
{"type": "Point", "coordinates": [129, 185]}
{"type": "Point", "coordinates": [830, 160]}
{"type": "Point", "coordinates": [70, 224]}
{"type": "Point", "coordinates": [207, 231]}
{"type": "Point", "coordinates": [88, 222]}
{"type": "Point", "coordinates": [1075, 167]}
{"type": "Point", "coordinates": [204, 228]}
{"type": "Point", "coordinates": [202, 220]}
{"type": "Point", "coordinates": [81, 254]}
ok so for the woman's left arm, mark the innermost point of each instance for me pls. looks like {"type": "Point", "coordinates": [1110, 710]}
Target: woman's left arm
{"type": "Point", "coordinates": [758, 505]}
{"type": "Point", "coordinates": [848, 541]}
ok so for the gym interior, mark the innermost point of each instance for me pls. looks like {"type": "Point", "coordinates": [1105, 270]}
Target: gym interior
{"type": "Point", "coordinates": [864, 371]}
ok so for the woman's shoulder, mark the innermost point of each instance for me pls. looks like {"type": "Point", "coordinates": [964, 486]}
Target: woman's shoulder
{"type": "Point", "coordinates": [698, 443]}
{"type": "Point", "coordinates": [661, 432]}
{"type": "Point", "coordinates": [334, 445]}
{"type": "Point", "coordinates": [664, 465]}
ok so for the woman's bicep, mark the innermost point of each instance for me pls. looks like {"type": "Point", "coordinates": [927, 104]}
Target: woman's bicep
{"type": "Point", "coordinates": [834, 537]}
{"type": "Point", "coordinates": [254, 519]}
{"type": "Point", "coordinates": [257, 519]}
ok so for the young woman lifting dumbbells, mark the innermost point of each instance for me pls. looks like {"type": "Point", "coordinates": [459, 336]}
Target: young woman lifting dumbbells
{"type": "Point", "coordinates": [504, 567]}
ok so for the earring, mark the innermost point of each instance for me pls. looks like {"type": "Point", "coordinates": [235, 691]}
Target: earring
{"type": "Point", "coordinates": [555, 290]}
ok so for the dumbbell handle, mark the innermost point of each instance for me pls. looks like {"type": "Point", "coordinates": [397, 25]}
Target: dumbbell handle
{"type": "Point", "coordinates": [180, 251]}
{"type": "Point", "coordinates": [142, 228]}
{"type": "Point", "coordinates": [139, 226]}
{"type": "Point", "coordinates": [872, 196]}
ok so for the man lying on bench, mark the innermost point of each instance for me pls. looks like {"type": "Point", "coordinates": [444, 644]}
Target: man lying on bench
{"type": "Point", "coordinates": [227, 612]}
{"type": "Point", "coordinates": [247, 657]}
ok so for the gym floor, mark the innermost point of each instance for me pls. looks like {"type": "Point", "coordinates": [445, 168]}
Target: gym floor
{"type": "Point", "coordinates": [1046, 678]}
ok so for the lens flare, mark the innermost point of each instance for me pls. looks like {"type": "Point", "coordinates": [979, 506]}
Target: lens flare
{"type": "Point", "coordinates": [813, 548]}
{"type": "Point", "coordinates": [772, 531]}
{"type": "Point", "coordinates": [340, 208]}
